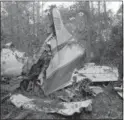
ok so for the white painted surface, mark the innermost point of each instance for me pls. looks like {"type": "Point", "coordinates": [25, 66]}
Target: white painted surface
{"type": "Point", "coordinates": [64, 56]}
{"type": "Point", "coordinates": [73, 107]}
{"type": "Point", "coordinates": [70, 108]}
{"type": "Point", "coordinates": [19, 100]}
{"type": "Point", "coordinates": [100, 73]}
{"type": "Point", "coordinates": [10, 66]}
{"type": "Point", "coordinates": [94, 73]}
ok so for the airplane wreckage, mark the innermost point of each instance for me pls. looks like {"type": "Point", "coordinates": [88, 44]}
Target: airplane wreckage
{"type": "Point", "coordinates": [64, 77]}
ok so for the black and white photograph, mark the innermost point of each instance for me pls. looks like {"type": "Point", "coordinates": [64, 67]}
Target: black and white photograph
{"type": "Point", "coordinates": [61, 59]}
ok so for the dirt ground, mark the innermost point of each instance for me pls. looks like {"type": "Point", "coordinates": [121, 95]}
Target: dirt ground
{"type": "Point", "coordinates": [106, 105]}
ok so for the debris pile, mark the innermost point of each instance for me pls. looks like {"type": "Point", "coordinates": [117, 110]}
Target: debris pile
{"type": "Point", "coordinates": [71, 99]}
{"type": "Point", "coordinates": [74, 96]}
{"type": "Point", "coordinates": [51, 106]}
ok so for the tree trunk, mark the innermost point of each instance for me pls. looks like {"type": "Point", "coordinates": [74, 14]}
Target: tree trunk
{"type": "Point", "coordinates": [89, 27]}
{"type": "Point", "coordinates": [99, 23]}
{"type": "Point", "coordinates": [99, 7]}
{"type": "Point", "coordinates": [92, 8]}
{"type": "Point", "coordinates": [33, 18]}
{"type": "Point", "coordinates": [105, 15]}
{"type": "Point", "coordinates": [28, 23]}
{"type": "Point", "coordinates": [38, 18]}
{"type": "Point", "coordinates": [18, 27]}
{"type": "Point", "coordinates": [100, 38]}
{"type": "Point", "coordinates": [11, 18]}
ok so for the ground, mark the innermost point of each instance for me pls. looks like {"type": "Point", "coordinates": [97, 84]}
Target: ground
{"type": "Point", "coordinates": [106, 105]}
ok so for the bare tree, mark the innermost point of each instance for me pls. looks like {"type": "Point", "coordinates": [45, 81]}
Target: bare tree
{"type": "Point", "coordinates": [11, 23]}
{"type": "Point", "coordinates": [18, 27]}
{"type": "Point", "coordinates": [105, 14]}
{"type": "Point", "coordinates": [38, 17]}
{"type": "Point", "coordinates": [33, 17]}
{"type": "Point", "coordinates": [89, 27]}
{"type": "Point", "coordinates": [99, 20]}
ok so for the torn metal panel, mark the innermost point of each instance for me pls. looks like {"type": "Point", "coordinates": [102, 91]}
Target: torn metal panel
{"type": "Point", "coordinates": [64, 108]}
{"type": "Point", "coordinates": [121, 94]}
{"type": "Point", "coordinates": [22, 101]}
{"type": "Point", "coordinates": [65, 59]}
{"type": "Point", "coordinates": [72, 107]}
{"type": "Point", "coordinates": [60, 70]}
{"type": "Point", "coordinates": [19, 100]}
{"type": "Point", "coordinates": [61, 32]}
{"type": "Point", "coordinates": [119, 89]}
{"type": "Point", "coordinates": [99, 73]}
{"type": "Point", "coordinates": [94, 73]}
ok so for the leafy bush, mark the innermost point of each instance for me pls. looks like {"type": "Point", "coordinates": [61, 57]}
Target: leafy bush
{"type": "Point", "coordinates": [113, 51]}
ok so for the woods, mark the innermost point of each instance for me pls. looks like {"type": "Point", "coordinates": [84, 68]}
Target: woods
{"type": "Point", "coordinates": [25, 24]}
{"type": "Point", "coordinates": [61, 60]}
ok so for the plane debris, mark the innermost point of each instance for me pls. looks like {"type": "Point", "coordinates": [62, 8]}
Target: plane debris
{"type": "Point", "coordinates": [64, 108]}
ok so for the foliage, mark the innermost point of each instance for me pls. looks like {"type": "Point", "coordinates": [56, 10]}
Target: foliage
{"type": "Point", "coordinates": [114, 48]}
{"type": "Point", "coordinates": [25, 24]}
{"type": "Point", "coordinates": [20, 25]}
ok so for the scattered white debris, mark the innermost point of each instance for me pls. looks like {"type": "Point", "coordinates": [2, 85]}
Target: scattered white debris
{"type": "Point", "coordinates": [67, 109]}
{"type": "Point", "coordinates": [19, 54]}
{"type": "Point", "coordinates": [120, 89]}
{"type": "Point", "coordinates": [67, 95]}
{"type": "Point", "coordinates": [8, 44]}
{"type": "Point", "coordinates": [96, 89]}
{"type": "Point", "coordinates": [89, 64]}
{"type": "Point", "coordinates": [99, 73]}
{"type": "Point", "coordinates": [70, 93]}
{"type": "Point", "coordinates": [22, 101]}
{"type": "Point", "coordinates": [120, 92]}
{"type": "Point", "coordinates": [94, 73]}
{"type": "Point", "coordinates": [18, 100]}
{"type": "Point", "coordinates": [72, 107]}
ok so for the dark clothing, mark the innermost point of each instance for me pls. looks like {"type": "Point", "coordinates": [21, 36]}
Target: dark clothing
{"type": "Point", "coordinates": [41, 65]}
{"type": "Point", "coordinates": [38, 68]}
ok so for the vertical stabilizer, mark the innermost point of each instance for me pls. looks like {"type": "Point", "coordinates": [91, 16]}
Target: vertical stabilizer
{"type": "Point", "coordinates": [61, 32]}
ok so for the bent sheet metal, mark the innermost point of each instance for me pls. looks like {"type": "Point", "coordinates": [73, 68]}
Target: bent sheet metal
{"type": "Point", "coordinates": [64, 108]}
{"type": "Point", "coordinates": [65, 60]}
